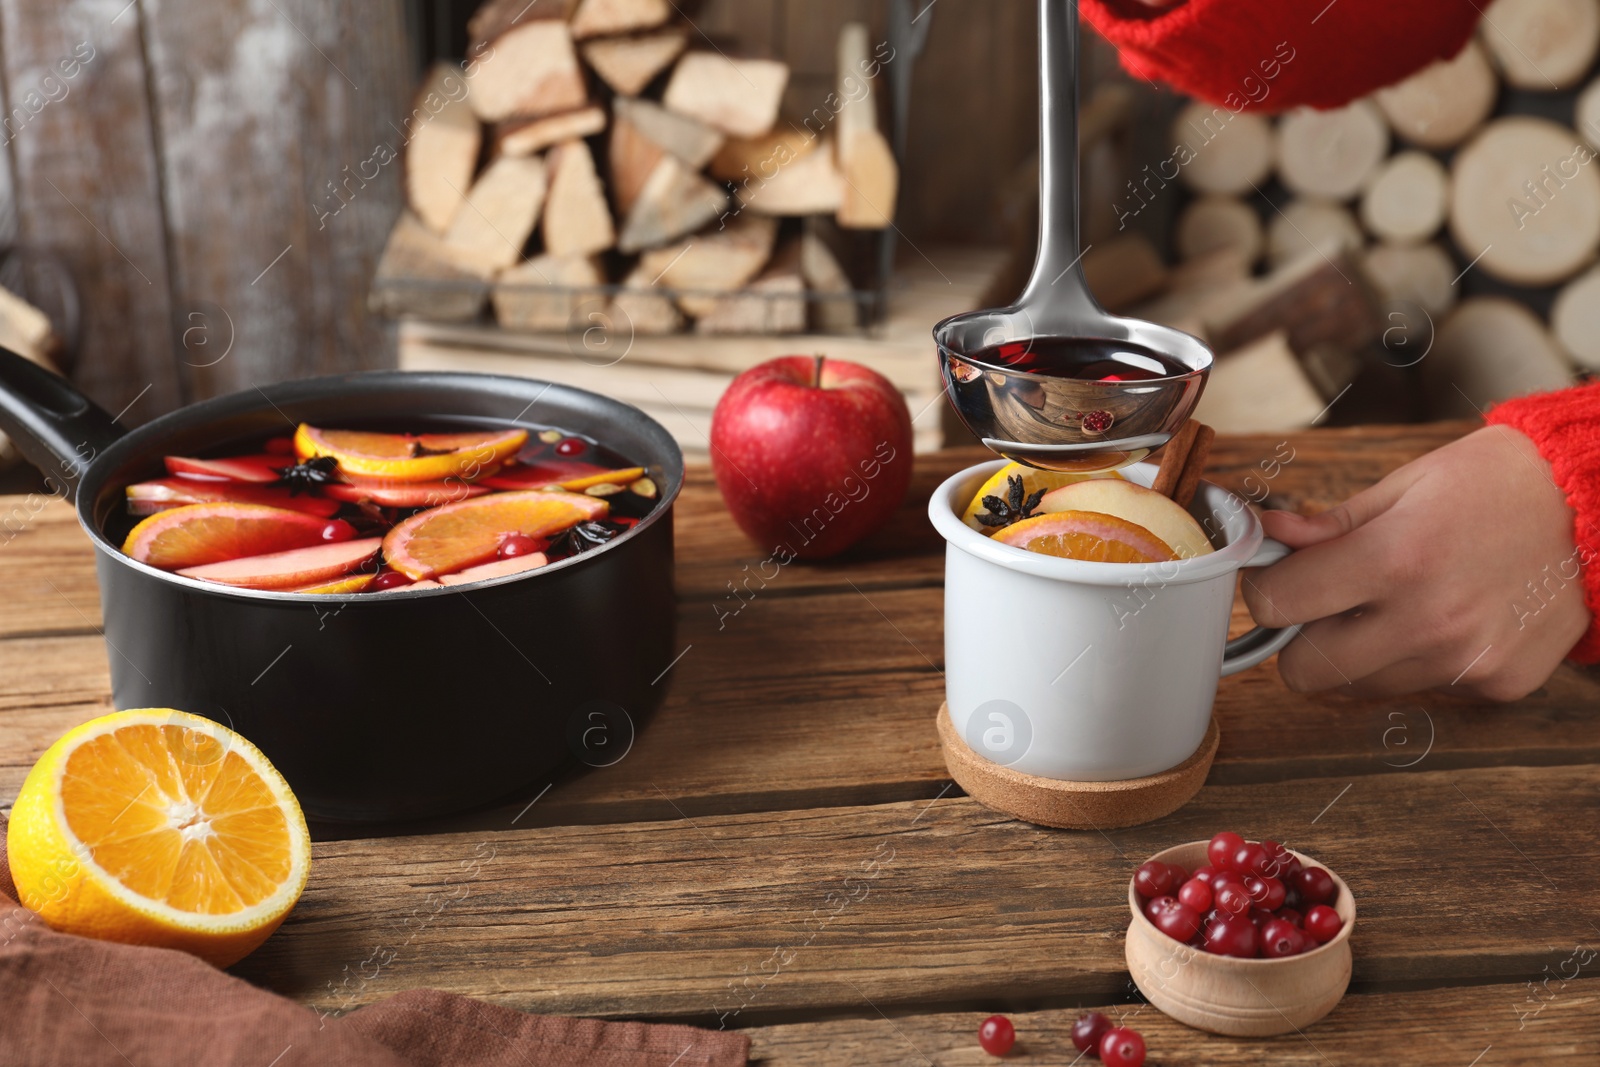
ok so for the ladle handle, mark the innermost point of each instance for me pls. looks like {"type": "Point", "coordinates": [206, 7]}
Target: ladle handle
{"type": "Point", "coordinates": [1057, 281]}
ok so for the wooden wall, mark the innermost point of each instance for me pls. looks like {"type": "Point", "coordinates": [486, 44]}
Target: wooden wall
{"type": "Point", "coordinates": [183, 175]}
{"type": "Point", "coordinates": [186, 172]}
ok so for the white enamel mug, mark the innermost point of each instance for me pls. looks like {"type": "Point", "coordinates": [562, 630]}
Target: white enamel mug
{"type": "Point", "coordinates": [1092, 672]}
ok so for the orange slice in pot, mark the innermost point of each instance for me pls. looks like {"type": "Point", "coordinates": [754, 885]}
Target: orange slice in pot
{"type": "Point", "coordinates": [429, 457]}
{"type": "Point", "coordinates": [154, 827]}
{"type": "Point", "coordinates": [1087, 535]}
{"type": "Point", "coordinates": [198, 534]}
{"type": "Point", "coordinates": [457, 536]}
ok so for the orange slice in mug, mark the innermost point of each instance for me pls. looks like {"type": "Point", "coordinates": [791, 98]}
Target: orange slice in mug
{"type": "Point", "coordinates": [457, 536]}
{"type": "Point", "coordinates": [154, 827]}
{"type": "Point", "coordinates": [429, 457]}
{"type": "Point", "coordinates": [1087, 535]}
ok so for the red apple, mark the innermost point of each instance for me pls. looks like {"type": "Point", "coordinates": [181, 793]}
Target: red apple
{"type": "Point", "coordinates": [811, 454]}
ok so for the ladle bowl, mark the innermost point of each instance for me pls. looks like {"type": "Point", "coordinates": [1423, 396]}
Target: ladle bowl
{"type": "Point", "coordinates": [1067, 424]}
{"type": "Point", "coordinates": [1040, 419]}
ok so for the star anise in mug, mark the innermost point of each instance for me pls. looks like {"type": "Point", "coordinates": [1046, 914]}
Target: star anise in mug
{"type": "Point", "coordinates": [306, 476]}
{"type": "Point", "coordinates": [1014, 508]}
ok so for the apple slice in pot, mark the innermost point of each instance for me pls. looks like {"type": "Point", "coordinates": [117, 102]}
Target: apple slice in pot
{"type": "Point", "coordinates": [294, 569]}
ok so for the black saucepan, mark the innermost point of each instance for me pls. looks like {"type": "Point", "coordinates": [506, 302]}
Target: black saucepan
{"type": "Point", "coordinates": [405, 705]}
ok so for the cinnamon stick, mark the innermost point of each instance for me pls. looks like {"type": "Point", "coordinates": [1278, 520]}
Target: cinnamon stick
{"type": "Point", "coordinates": [1174, 457]}
{"type": "Point", "coordinates": [1195, 465]}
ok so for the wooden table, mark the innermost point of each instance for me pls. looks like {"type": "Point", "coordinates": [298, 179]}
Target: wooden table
{"type": "Point", "coordinates": [782, 850]}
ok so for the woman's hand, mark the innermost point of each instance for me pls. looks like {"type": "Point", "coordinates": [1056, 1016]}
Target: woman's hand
{"type": "Point", "coordinates": [1456, 570]}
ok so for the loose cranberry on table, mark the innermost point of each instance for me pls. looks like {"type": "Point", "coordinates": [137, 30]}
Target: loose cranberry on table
{"type": "Point", "coordinates": [1087, 1032]}
{"type": "Point", "coordinates": [996, 1035]}
{"type": "Point", "coordinates": [1122, 1047]}
{"type": "Point", "coordinates": [811, 454]}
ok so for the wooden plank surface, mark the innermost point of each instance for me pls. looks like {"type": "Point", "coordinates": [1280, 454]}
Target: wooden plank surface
{"type": "Point", "coordinates": [280, 157]}
{"type": "Point", "coordinates": [1495, 1024]}
{"type": "Point", "coordinates": [88, 189]}
{"type": "Point", "coordinates": [850, 651]}
{"type": "Point", "coordinates": [926, 903]}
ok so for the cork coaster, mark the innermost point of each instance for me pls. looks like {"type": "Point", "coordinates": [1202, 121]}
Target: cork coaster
{"type": "Point", "coordinates": [1075, 805]}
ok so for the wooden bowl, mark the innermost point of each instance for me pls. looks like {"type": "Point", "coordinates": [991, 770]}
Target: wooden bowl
{"type": "Point", "coordinates": [1237, 997]}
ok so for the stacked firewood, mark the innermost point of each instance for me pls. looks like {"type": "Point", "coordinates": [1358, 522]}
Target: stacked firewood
{"type": "Point", "coordinates": [587, 163]}
{"type": "Point", "coordinates": [1449, 224]}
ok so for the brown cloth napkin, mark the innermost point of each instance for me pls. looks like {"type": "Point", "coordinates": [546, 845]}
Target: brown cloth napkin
{"type": "Point", "coordinates": [71, 1001]}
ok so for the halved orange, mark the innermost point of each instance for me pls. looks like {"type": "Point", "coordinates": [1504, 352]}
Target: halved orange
{"type": "Point", "coordinates": [1087, 535]}
{"type": "Point", "coordinates": [457, 536]}
{"type": "Point", "coordinates": [429, 457]}
{"type": "Point", "coordinates": [155, 827]}
{"type": "Point", "coordinates": [197, 534]}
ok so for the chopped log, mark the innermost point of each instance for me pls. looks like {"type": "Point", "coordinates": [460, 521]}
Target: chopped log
{"type": "Point", "coordinates": [495, 17]}
{"type": "Point", "coordinates": [1123, 271]}
{"type": "Point", "coordinates": [810, 185]}
{"type": "Point", "coordinates": [1423, 275]}
{"type": "Point", "coordinates": [836, 311]}
{"type": "Point", "coordinates": [1575, 318]}
{"type": "Point", "coordinates": [442, 141]}
{"type": "Point", "coordinates": [500, 213]}
{"type": "Point", "coordinates": [647, 312]}
{"type": "Point", "coordinates": [532, 71]}
{"type": "Point", "coordinates": [1442, 104]}
{"type": "Point", "coordinates": [418, 274]}
{"type": "Point", "coordinates": [632, 158]}
{"type": "Point", "coordinates": [1469, 369]}
{"type": "Point", "coordinates": [1303, 227]}
{"type": "Point", "coordinates": [1222, 152]}
{"type": "Point", "coordinates": [774, 303]}
{"type": "Point", "coordinates": [717, 261]}
{"type": "Point", "coordinates": [1545, 45]}
{"type": "Point", "coordinates": [737, 96]}
{"type": "Point", "coordinates": [1213, 223]}
{"type": "Point", "coordinates": [596, 18]}
{"type": "Point", "coordinates": [867, 167]}
{"type": "Point", "coordinates": [1201, 290]}
{"type": "Point", "coordinates": [543, 294]}
{"type": "Point", "coordinates": [628, 64]}
{"type": "Point", "coordinates": [741, 157]}
{"type": "Point", "coordinates": [1259, 389]}
{"type": "Point", "coordinates": [1331, 154]}
{"type": "Point", "coordinates": [26, 330]}
{"type": "Point", "coordinates": [692, 142]}
{"type": "Point", "coordinates": [527, 137]}
{"type": "Point", "coordinates": [1317, 299]}
{"type": "Point", "coordinates": [1586, 114]}
{"type": "Point", "coordinates": [577, 221]}
{"type": "Point", "coordinates": [1407, 198]}
{"type": "Point", "coordinates": [1523, 202]}
{"type": "Point", "coordinates": [672, 202]}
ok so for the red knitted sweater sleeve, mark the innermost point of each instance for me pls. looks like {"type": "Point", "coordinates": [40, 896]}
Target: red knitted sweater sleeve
{"type": "Point", "coordinates": [1274, 54]}
{"type": "Point", "coordinates": [1565, 426]}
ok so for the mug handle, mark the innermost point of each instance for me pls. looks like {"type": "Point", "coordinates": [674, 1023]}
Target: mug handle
{"type": "Point", "coordinates": [1249, 649]}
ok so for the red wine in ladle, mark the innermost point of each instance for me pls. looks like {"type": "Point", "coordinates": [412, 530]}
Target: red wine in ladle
{"type": "Point", "coordinates": [1083, 359]}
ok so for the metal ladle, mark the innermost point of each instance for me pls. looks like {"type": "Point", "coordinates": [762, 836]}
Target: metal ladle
{"type": "Point", "coordinates": [1059, 423]}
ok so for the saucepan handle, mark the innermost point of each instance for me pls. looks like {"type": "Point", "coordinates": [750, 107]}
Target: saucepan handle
{"type": "Point", "coordinates": [55, 427]}
{"type": "Point", "coordinates": [1259, 644]}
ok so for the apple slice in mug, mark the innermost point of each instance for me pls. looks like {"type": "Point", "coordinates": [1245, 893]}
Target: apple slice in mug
{"type": "Point", "coordinates": [295, 569]}
{"type": "Point", "coordinates": [1136, 504]}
